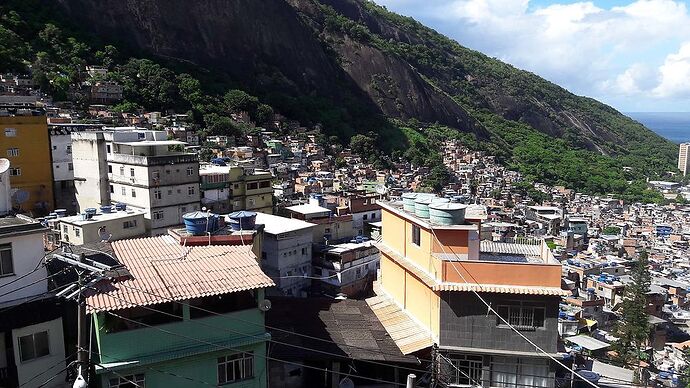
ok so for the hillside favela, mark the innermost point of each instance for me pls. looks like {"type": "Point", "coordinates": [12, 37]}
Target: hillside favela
{"type": "Point", "coordinates": [345, 193]}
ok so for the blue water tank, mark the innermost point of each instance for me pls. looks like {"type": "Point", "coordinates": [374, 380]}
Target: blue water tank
{"type": "Point", "coordinates": [198, 223]}
{"type": "Point", "coordinates": [218, 162]}
{"type": "Point", "coordinates": [106, 209]}
{"type": "Point", "coordinates": [242, 220]}
{"type": "Point", "coordinates": [120, 206]}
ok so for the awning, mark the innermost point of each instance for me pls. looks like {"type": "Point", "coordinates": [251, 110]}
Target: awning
{"type": "Point", "coordinates": [403, 330]}
{"type": "Point", "coordinates": [588, 342]}
{"type": "Point", "coordinates": [501, 289]}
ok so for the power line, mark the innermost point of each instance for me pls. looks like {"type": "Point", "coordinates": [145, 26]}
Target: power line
{"type": "Point", "coordinates": [35, 297]}
{"type": "Point", "coordinates": [488, 305]}
{"type": "Point", "coordinates": [34, 282]}
{"type": "Point", "coordinates": [118, 375]}
{"type": "Point", "coordinates": [21, 277]}
{"type": "Point", "coordinates": [49, 368]}
{"type": "Point", "coordinates": [263, 338]}
{"type": "Point", "coordinates": [241, 351]}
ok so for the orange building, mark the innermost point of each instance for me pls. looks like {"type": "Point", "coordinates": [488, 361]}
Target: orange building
{"type": "Point", "coordinates": [25, 141]}
{"type": "Point", "coordinates": [433, 262]}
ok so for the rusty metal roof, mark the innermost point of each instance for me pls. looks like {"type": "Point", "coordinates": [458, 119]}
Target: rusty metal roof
{"type": "Point", "coordinates": [165, 270]}
{"type": "Point", "coordinates": [501, 288]}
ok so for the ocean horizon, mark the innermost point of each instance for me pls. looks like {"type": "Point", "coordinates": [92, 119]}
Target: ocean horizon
{"type": "Point", "coordinates": [674, 126]}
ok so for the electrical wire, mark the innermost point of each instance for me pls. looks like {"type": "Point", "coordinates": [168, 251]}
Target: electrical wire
{"type": "Point", "coordinates": [261, 337]}
{"type": "Point", "coordinates": [117, 374]}
{"type": "Point", "coordinates": [35, 297]}
{"type": "Point", "coordinates": [21, 277]}
{"type": "Point", "coordinates": [241, 351]}
{"type": "Point", "coordinates": [491, 309]}
{"type": "Point", "coordinates": [34, 282]}
{"type": "Point", "coordinates": [49, 368]}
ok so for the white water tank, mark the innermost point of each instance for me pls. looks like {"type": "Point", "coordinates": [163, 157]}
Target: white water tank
{"type": "Point", "coordinates": [5, 194]}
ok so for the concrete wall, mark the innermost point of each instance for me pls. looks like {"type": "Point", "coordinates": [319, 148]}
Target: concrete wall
{"type": "Point", "coordinates": [285, 254]}
{"type": "Point", "coordinates": [28, 369]}
{"type": "Point", "coordinates": [90, 169]}
{"type": "Point", "coordinates": [465, 323]}
{"type": "Point", "coordinates": [61, 152]}
{"type": "Point", "coordinates": [27, 253]}
{"type": "Point", "coordinates": [114, 227]}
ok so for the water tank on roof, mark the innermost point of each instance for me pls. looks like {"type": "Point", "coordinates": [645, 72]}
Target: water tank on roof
{"type": "Point", "coordinates": [198, 223]}
{"type": "Point", "coordinates": [408, 201]}
{"type": "Point", "coordinates": [106, 209]}
{"type": "Point", "coordinates": [421, 205]}
{"type": "Point", "coordinates": [447, 213]}
{"type": "Point", "coordinates": [218, 162]}
{"type": "Point", "coordinates": [61, 212]}
{"type": "Point", "coordinates": [120, 206]}
{"type": "Point", "coordinates": [242, 220]}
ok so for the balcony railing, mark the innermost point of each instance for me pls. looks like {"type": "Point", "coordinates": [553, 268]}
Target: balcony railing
{"type": "Point", "coordinates": [153, 160]}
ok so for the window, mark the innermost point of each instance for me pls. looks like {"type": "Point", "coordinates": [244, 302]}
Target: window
{"type": "Point", "coordinates": [12, 152]}
{"type": "Point", "coordinates": [33, 346]}
{"type": "Point", "coordinates": [110, 169]}
{"type": "Point", "coordinates": [125, 381]}
{"type": "Point", "coordinates": [156, 175]}
{"type": "Point", "coordinates": [124, 190]}
{"type": "Point", "coordinates": [358, 272]}
{"type": "Point", "coordinates": [466, 370]}
{"type": "Point", "coordinates": [252, 186]}
{"type": "Point", "coordinates": [190, 190]}
{"type": "Point", "coordinates": [68, 149]}
{"type": "Point", "coordinates": [265, 184]}
{"type": "Point", "coordinates": [304, 251]}
{"type": "Point", "coordinates": [158, 215]}
{"type": "Point", "coordinates": [6, 265]}
{"type": "Point", "coordinates": [169, 191]}
{"type": "Point", "coordinates": [122, 170]}
{"type": "Point", "coordinates": [251, 202]}
{"type": "Point", "coordinates": [77, 231]}
{"type": "Point", "coordinates": [129, 224]}
{"type": "Point", "coordinates": [373, 216]}
{"type": "Point", "coordinates": [235, 367]}
{"type": "Point", "coordinates": [523, 316]}
{"type": "Point", "coordinates": [131, 172]}
{"type": "Point", "coordinates": [327, 230]}
{"type": "Point", "coordinates": [190, 171]}
{"type": "Point", "coordinates": [15, 171]}
{"type": "Point", "coordinates": [107, 148]}
{"type": "Point", "coordinates": [10, 132]}
{"type": "Point", "coordinates": [141, 135]}
{"type": "Point", "coordinates": [416, 239]}
{"type": "Point", "coordinates": [70, 166]}
{"type": "Point", "coordinates": [365, 217]}
{"type": "Point", "coordinates": [157, 194]}
{"type": "Point", "coordinates": [515, 373]}
{"type": "Point", "coordinates": [134, 193]}
{"type": "Point", "coordinates": [112, 189]}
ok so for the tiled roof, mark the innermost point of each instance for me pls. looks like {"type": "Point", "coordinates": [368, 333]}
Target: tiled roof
{"type": "Point", "coordinates": [165, 270]}
{"type": "Point", "coordinates": [502, 289]}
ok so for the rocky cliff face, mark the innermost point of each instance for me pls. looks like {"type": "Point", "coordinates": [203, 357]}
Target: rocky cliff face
{"type": "Point", "coordinates": [396, 67]}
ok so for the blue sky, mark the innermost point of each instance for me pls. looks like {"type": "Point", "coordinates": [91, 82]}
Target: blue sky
{"type": "Point", "coordinates": [631, 54]}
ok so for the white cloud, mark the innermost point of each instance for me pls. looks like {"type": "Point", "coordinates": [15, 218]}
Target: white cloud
{"type": "Point", "coordinates": [591, 49]}
{"type": "Point", "coordinates": [674, 74]}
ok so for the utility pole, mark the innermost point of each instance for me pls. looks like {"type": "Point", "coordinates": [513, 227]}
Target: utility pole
{"type": "Point", "coordinates": [90, 272]}
{"type": "Point", "coordinates": [411, 381]}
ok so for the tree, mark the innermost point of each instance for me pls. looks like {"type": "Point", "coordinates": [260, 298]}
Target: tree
{"type": "Point", "coordinates": [611, 230]}
{"type": "Point", "coordinates": [633, 327]}
{"type": "Point", "coordinates": [438, 178]}
{"type": "Point", "coordinates": [263, 114]}
{"type": "Point", "coordinates": [684, 371]}
{"type": "Point", "coordinates": [238, 101]}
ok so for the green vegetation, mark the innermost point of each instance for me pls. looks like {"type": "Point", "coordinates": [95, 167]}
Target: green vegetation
{"type": "Point", "coordinates": [633, 327]}
{"type": "Point", "coordinates": [611, 231]}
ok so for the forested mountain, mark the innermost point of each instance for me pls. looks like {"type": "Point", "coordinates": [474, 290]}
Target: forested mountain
{"type": "Point", "coordinates": [355, 68]}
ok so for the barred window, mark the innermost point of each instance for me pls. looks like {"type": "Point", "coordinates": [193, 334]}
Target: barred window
{"type": "Point", "coordinates": [523, 315]}
{"type": "Point", "coordinates": [235, 367]}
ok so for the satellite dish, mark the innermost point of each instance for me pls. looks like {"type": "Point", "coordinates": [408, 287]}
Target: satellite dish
{"type": "Point", "coordinates": [103, 234]}
{"type": "Point", "coordinates": [265, 305]}
{"type": "Point", "coordinates": [4, 165]}
{"type": "Point", "coordinates": [381, 189]}
{"type": "Point", "coordinates": [21, 196]}
{"type": "Point", "coordinates": [346, 383]}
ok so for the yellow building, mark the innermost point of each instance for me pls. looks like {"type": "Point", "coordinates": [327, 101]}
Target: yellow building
{"type": "Point", "coordinates": [432, 264]}
{"type": "Point", "coordinates": [25, 141]}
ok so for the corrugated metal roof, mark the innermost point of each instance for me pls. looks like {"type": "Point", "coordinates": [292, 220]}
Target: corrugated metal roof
{"type": "Point", "coordinates": [165, 270]}
{"type": "Point", "coordinates": [403, 330]}
{"type": "Point", "coordinates": [501, 288]}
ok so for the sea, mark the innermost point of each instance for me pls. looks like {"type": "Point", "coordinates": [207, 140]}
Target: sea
{"type": "Point", "coordinates": [674, 126]}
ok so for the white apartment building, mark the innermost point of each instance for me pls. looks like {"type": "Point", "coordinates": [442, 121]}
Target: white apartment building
{"type": "Point", "coordinates": [30, 321]}
{"type": "Point", "coordinates": [684, 159]}
{"type": "Point", "coordinates": [139, 168]}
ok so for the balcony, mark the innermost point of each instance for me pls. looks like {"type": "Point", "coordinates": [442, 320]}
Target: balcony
{"type": "Point", "coordinates": [160, 160]}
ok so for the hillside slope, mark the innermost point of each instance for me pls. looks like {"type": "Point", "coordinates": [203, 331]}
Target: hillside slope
{"type": "Point", "coordinates": [350, 65]}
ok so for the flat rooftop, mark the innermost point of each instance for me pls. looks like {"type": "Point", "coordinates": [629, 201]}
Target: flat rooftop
{"type": "Point", "coordinates": [18, 225]}
{"type": "Point", "coordinates": [277, 224]}
{"type": "Point", "coordinates": [397, 207]}
{"type": "Point", "coordinates": [101, 217]}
